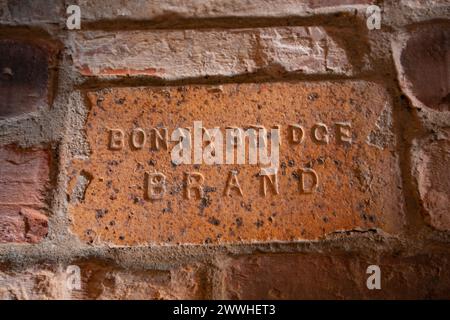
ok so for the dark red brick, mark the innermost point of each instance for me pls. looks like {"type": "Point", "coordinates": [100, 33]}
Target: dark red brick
{"type": "Point", "coordinates": [24, 77]}
{"type": "Point", "coordinates": [425, 62]}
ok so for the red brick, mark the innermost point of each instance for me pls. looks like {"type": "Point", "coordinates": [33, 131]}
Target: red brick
{"type": "Point", "coordinates": [425, 63]}
{"type": "Point", "coordinates": [24, 76]}
{"type": "Point", "coordinates": [433, 178]}
{"type": "Point", "coordinates": [101, 281]}
{"type": "Point", "coordinates": [196, 53]}
{"type": "Point", "coordinates": [24, 175]}
{"type": "Point", "coordinates": [335, 276]}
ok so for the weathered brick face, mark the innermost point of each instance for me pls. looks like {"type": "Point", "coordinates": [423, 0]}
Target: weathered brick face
{"type": "Point", "coordinates": [347, 149]}
{"type": "Point", "coordinates": [33, 283]}
{"type": "Point", "coordinates": [101, 281]}
{"type": "Point", "coordinates": [24, 177]}
{"type": "Point", "coordinates": [433, 178]}
{"type": "Point", "coordinates": [106, 192]}
{"type": "Point", "coordinates": [183, 54]}
{"type": "Point", "coordinates": [426, 64]}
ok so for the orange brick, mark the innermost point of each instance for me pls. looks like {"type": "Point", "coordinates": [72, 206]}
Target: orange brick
{"type": "Point", "coordinates": [358, 183]}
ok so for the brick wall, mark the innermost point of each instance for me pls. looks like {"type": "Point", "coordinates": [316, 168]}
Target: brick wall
{"type": "Point", "coordinates": [366, 182]}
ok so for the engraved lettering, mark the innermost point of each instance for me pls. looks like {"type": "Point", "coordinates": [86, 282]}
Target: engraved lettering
{"type": "Point", "coordinates": [296, 133]}
{"type": "Point", "coordinates": [116, 139]}
{"type": "Point", "coordinates": [272, 179]}
{"type": "Point", "coordinates": [194, 181]}
{"type": "Point", "coordinates": [320, 133]}
{"type": "Point", "coordinates": [306, 188]}
{"type": "Point", "coordinates": [343, 132]}
{"type": "Point", "coordinates": [155, 185]}
{"type": "Point", "coordinates": [138, 138]}
{"type": "Point", "coordinates": [159, 138]}
{"type": "Point", "coordinates": [233, 183]}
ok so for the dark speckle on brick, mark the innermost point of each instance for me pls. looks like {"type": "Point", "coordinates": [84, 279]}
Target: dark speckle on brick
{"type": "Point", "coordinates": [214, 221]}
{"type": "Point", "coordinates": [100, 213]}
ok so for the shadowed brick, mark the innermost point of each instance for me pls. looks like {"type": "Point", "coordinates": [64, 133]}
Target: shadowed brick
{"type": "Point", "coordinates": [24, 77]}
{"type": "Point", "coordinates": [425, 62]}
{"type": "Point", "coordinates": [336, 276]}
{"type": "Point", "coordinates": [433, 178]}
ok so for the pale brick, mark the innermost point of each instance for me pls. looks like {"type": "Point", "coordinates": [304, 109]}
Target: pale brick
{"type": "Point", "coordinates": [174, 55]}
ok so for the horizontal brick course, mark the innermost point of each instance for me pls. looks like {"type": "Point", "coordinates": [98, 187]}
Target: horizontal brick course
{"type": "Point", "coordinates": [183, 54]}
{"type": "Point", "coordinates": [336, 276]}
{"type": "Point", "coordinates": [101, 281]}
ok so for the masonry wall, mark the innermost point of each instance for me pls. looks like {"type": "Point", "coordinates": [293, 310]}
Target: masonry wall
{"type": "Point", "coordinates": [68, 203]}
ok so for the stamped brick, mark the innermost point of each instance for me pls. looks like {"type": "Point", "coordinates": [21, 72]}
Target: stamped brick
{"type": "Point", "coordinates": [196, 53]}
{"type": "Point", "coordinates": [102, 281]}
{"type": "Point", "coordinates": [342, 175]}
{"type": "Point", "coordinates": [433, 178]}
{"type": "Point", "coordinates": [336, 276]}
{"type": "Point", "coordinates": [24, 175]}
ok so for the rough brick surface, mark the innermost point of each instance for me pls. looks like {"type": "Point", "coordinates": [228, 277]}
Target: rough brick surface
{"type": "Point", "coordinates": [102, 281]}
{"type": "Point", "coordinates": [34, 283]}
{"type": "Point", "coordinates": [433, 177]}
{"type": "Point", "coordinates": [425, 65]}
{"type": "Point", "coordinates": [140, 9]}
{"type": "Point", "coordinates": [406, 12]}
{"type": "Point", "coordinates": [115, 206]}
{"type": "Point", "coordinates": [44, 11]}
{"type": "Point", "coordinates": [195, 53]}
{"type": "Point", "coordinates": [362, 176]}
{"type": "Point", "coordinates": [335, 276]}
{"type": "Point", "coordinates": [24, 175]}
{"type": "Point", "coordinates": [24, 77]}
